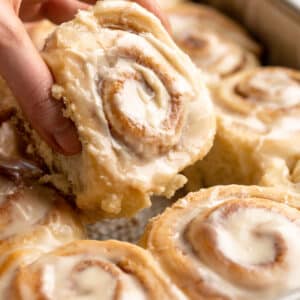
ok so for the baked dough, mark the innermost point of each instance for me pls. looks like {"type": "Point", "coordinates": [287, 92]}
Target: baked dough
{"type": "Point", "coordinates": [141, 111]}
{"type": "Point", "coordinates": [216, 44]}
{"type": "Point", "coordinates": [33, 220]}
{"type": "Point", "coordinates": [229, 242]}
{"type": "Point", "coordinates": [94, 270]}
{"type": "Point", "coordinates": [258, 134]}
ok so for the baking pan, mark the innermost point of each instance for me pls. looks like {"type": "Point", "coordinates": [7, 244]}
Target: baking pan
{"type": "Point", "coordinates": [275, 23]}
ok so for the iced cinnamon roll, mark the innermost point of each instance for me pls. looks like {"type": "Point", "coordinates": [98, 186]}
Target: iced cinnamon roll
{"type": "Point", "coordinates": [33, 220]}
{"type": "Point", "coordinates": [136, 100]}
{"type": "Point", "coordinates": [258, 132]}
{"type": "Point", "coordinates": [216, 44]}
{"type": "Point", "coordinates": [205, 17]}
{"type": "Point", "coordinates": [26, 209]}
{"type": "Point", "coordinates": [94, 270]}
{"type": "Point", "coordinates": [232, 242]}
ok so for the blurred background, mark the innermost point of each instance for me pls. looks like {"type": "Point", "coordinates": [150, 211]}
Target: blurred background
{"type": "Point", "coordinates": [275, 23]}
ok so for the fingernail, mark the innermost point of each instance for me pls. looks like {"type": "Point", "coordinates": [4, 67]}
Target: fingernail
{"type": "Point", "coordinates": [67, 139]}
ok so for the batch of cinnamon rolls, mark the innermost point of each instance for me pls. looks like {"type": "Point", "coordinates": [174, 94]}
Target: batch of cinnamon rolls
{"type": "Point", "coordinates": [155, 114]}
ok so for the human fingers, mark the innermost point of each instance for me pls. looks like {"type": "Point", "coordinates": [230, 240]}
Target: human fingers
{"type": "Point", "coordinates": [30, 81]}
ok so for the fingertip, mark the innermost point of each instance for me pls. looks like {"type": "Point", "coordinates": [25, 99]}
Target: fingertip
{"type": "Point", "coordinates": [59, 11]}
{"type": "Point", "coordinates": [67, 139]}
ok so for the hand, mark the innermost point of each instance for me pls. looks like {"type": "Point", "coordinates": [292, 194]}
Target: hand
{"type": "Point", "coordinates": [29, 77]}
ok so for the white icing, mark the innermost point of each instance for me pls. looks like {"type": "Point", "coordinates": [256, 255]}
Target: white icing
{"type": "Point", "coordinates": [142, 104]}
{"type": "Point", "coordinates": [273, 119]}
{"type": "Point", "coordinates": [277, 90]}
{"type": "Point", "coordinates": [27, 209]}
{"type": "Point", "coordinates": [92, 55]}
{"type": "Point", "coordinates": [7, 188]}
{"type": "Point", "coordinates": [28, 251]}
{"type": "Point", "coordinates": [269, 89]}
{"type": "Point", "coordinates": [217, 57]}
{"type": "Point", "coordinates": [238, 235]}
{"type": "Point", "coordinates": [8, 140]}
{"type": "Point", "coordinates": [294, 295]}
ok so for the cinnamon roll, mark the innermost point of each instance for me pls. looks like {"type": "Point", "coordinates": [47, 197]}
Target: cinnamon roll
{"type": "Point", "coordinates": [258, 132]}
{"type": "Point", "coordinates": [216, 44]}
{"type": "Point", "coordinates": [229, 242]}
{"type": "Point", "coordinates": [141, 114]}
{"type": "Point", "coordinates": [26, 209]}
{"type": "Point", "coordinates": [94, 270]}
{"type": "Point", "coordinates": [33, 220]}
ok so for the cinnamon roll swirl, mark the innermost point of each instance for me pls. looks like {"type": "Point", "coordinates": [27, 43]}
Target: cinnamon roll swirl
{"type": "Point", "coordinates": [230, 242]}
{"type": "Point", "coordinates": [94, 270]}
{"type": "Point", "coordinates": [141, 114]}
{"type": "Point", "coordinates": [33, 220]}
{"type": "Point", "coordinates": [258, 132]}
{"type": "Point", "coordinates": [216, 44]}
